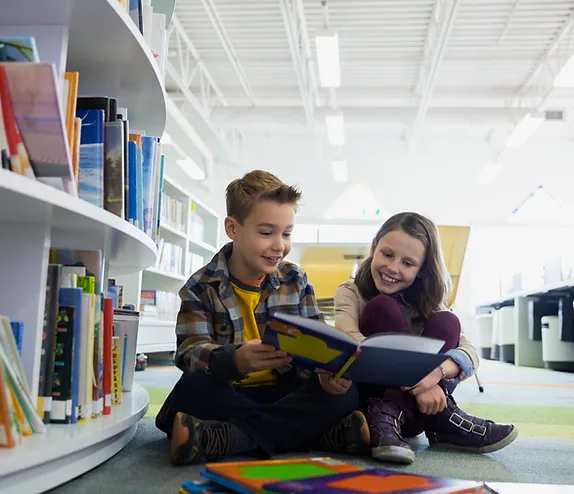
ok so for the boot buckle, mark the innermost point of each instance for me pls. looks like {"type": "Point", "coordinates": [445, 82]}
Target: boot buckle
{"type": "Point", "coordinates": [461, 422]}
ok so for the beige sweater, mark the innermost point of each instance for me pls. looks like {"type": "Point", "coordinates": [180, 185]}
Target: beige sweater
{"type": "Point", "coordinates": [349, 304]}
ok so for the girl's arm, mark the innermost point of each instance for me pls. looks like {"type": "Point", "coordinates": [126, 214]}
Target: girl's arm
{"type": "Point", "coordinates": [347, 311]}
{"type": "Point", "coordinates": [462, 364]}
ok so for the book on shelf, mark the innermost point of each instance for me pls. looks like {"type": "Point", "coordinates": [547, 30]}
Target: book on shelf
{"type": "Point", "coordinates": [80, 144]}
{"type": "Point", "coordinates": [389, 359]}
{"type": "Point", "coordinates": [19, 417]}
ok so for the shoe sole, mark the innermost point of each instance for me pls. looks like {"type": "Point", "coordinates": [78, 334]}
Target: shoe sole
{"type": "Point", "coordinates": [491, 448]}
{"type": "Point", "coordinates": [395, 454]}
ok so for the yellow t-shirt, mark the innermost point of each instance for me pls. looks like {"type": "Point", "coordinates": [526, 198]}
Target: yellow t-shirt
{"type": "Point", "coordinates": [248, 294]}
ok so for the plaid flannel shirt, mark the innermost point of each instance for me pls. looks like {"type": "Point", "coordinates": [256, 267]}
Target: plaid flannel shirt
{"type": "Point", "coordinates": [209, 319]}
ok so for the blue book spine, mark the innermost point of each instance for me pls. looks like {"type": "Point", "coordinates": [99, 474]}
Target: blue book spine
{"type": "Point", "coordinates": [149, 148]}
{"type": "Point", "coordinates": [91, 167]}
{"type": "Point", "coordinates": [139, 187]}
{"type": "Point", "coordinates": [18, 330]}
{"type": "Point", "coordinates": [132, 183]}
{"type": "Point", "coordinates": [72, 297]}
{"type": "Point", "coordinates": [160, 195]}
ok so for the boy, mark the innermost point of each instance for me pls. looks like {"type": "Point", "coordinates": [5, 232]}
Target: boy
{"type": "Point", "coordinates": [238, 395]}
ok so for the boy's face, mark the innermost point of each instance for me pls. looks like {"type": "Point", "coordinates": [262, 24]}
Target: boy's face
{"type": "Point", "coordinates": [262, 241]}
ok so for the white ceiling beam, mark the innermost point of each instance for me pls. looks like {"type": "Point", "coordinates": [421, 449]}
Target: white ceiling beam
{"type": "Point", "coordinates": [187, 70]}
{"type": "Point", "coordinates": [373, 99]}
{"type": "Point", "coordinates": [228, 48]}
{"type": "Point", "coordinates": [542, 62]}
{"type": "Point", "coordinates": [508, 21]}
{"type": "Point", "coordinates": [444, 15]}
{"type": "Point", "coordinates": [300, 49]}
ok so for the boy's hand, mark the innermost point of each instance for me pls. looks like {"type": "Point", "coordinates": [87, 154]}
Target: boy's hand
{"type": "Point", "coordinates": [332, 385]}
{"type": "Point", "coordinates": [255, 356]}
{"type": "Point", "coordinates": [431, 401]}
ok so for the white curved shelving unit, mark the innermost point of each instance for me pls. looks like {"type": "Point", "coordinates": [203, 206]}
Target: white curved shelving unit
{"type": "Point", "coordinates": [98, 39]}
{"type": "Point", "coordinates": [74, 223]}
{"type": "Point", "coordinates": [64, 452]}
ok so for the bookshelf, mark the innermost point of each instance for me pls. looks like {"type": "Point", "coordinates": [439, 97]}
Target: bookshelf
{"type": "Point", "coordinates": [98, 39]}
{"type": "Point", "coordinates": [73, 450]}
{"type": "Point", "coordinates": [199, 244]}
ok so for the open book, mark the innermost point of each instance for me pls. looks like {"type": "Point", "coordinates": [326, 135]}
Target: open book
{"type": "Point", "coordinates": [389, 359]}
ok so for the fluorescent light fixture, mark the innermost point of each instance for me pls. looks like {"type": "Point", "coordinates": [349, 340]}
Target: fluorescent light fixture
{"type": "Point", "coordinates": [327, 46]}
{"type": "Point", "coordinates": [524, 130]}
{"type": "Point", "coordinates": [166, 139]}
{"type": "Point", "coordinates": [488, 173]}
{"type": "Point", "coordinates": [565, 78]}
{"type": "Point", "coordinates": [192, 169]}
{"type": "Point", "coordinates": [335, 125]}
{"type": "Point", "coordinates": [340, 172]}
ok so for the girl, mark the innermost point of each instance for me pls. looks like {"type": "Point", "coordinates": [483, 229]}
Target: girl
{"type": "Point", "coordinates": [403, 286]}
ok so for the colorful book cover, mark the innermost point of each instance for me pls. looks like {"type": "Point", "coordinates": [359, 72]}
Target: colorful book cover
{"type": "Point", "coordinates": [114, 168]}
{"type": "Point", "coordinates": [40, 119]}
{"type": "Point", "coordinates": [376, 481]}
{"type": "Point", "coordinates": [91, 167]}
{"type": "Point", "coordinates": [9, 433]}
{"type": "Point", "coordinates": [11, 136]}
{"type": "Point", "coordinates": [63, 366]}
{"type": "Point", "coordinates": [18, 49]}
{"type": "Point", "coordinates": [390, 359]}
{"type": "Point", "coordinates": [108, 335]}
{"type": "Point", "coordinates": [251, 476]}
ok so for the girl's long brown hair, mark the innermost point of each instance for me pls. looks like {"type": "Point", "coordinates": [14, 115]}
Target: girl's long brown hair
{"type": "Point", "coordinates": [429, 293]}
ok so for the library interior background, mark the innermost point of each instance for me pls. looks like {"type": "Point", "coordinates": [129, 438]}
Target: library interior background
{"type": "Point", "coordinates": [461, 110]}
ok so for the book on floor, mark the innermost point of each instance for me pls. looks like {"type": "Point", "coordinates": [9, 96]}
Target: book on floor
{"type": "Point", "coordinates": [250, 476]}
{"type": "Point", "coordinates": [389, 359]}
{"type": "Point", "coordinates": [377, 481]}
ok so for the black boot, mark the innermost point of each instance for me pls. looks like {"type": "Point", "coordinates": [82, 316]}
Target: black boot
{"type": "Point", "coordinates": [453, 428]}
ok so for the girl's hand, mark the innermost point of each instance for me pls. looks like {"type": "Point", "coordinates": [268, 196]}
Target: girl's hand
{"type": "Point", "coordinates": [333, 386]}
{"type": "Point", "coordinates": [426, 383]}
{"type": "Point", "coordinates": [431, 401]}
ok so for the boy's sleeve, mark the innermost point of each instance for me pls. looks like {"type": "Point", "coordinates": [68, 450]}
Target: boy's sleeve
{"type": "Point", "coordinates": [307, 301]}
{"type": "Point", "coordinates": [196, 349]}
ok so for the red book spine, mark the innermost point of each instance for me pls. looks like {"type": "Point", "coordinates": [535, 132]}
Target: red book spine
{"type": "Point", "coordinates": [108, 334]}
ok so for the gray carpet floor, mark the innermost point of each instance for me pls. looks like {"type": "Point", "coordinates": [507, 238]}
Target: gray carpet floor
{"type": "Point", "coordinates": [144, 467]}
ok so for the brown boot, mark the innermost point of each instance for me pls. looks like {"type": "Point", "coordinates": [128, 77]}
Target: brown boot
{"type": "Point", "coordinates": [350, 436]}
{"type": "Point", "coordinates": [199, 441]}
{"type": "Point", "coordinates": [455, 429]}
{"type": "Point", "coordinates": [385, 421]}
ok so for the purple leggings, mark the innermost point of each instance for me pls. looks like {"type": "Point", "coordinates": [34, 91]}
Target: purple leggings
{"type": "Point", "coordinates": [383, 314]}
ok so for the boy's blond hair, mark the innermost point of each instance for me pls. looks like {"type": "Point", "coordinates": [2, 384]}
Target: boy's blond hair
{"type": "Point", "coordinates": [244, 193]}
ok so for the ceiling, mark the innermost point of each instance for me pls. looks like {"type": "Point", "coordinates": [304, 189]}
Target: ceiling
{"type": "Point", "coordinates": [429, 91]}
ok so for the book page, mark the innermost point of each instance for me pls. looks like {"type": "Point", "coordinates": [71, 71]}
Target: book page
{"type": "Point", "coordinates": [402, 341]}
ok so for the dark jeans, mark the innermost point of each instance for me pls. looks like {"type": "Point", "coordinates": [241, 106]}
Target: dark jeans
{"type": "Point", "coordinates": [383, 314]}
{"type": "Point", "coordinates": [280, 418]}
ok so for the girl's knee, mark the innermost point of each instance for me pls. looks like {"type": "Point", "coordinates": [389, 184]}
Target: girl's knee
{"type": "Point", "coordinates": [384, 304]}
{"type": "Point", "coordinates": [382, 314]}
{"type": "Point", "coordinates": [447, 319]}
